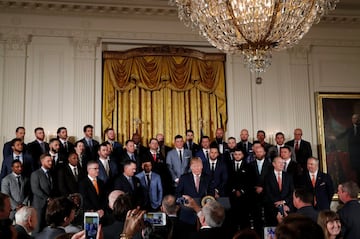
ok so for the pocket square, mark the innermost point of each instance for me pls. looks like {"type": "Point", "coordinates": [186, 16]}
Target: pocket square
{"type": "Point", "coordinates": [322, 184]}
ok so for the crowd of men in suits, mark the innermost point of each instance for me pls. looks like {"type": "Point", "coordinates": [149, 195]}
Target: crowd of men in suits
{"type": "Point", "coordinates": [257, 178]}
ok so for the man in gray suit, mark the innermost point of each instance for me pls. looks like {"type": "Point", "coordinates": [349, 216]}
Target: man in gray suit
{"type": "Point", "coordinates": [42, 187]}
{"type": "Point", "coordinates": [178, 159]}
{"type": "Point", "coordinates": [17, 187]}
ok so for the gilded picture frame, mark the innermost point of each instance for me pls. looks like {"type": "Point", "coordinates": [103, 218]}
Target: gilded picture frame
{"type": "Point", "coordinates": [339, 145]}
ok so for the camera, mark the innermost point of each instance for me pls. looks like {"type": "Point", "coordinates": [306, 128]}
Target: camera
{"type": "Point", "coordinates": [155, 218]}
{"type": "Point", "coordinates": [181, 201]}
{"type": "Point", "coordinates": [281, 209]}
{"type": "Point", "coordinates": [91, 224]}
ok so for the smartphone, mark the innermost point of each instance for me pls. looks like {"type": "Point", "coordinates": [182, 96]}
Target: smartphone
{"type": "Point", "coordinates": [155, 218]}
{"type": "Point", "coordinates": [91, 224]}
{"type": "Point", "coordinates": [281, 209]}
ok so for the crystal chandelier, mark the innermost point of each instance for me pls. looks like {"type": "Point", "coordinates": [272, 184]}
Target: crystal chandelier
{"type": "Point", "coordinates": [253, 28]}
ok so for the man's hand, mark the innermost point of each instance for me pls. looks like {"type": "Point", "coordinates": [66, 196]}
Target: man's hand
{"type": "Point", "coordinates": [258, 189]}
{"type": "Point", "coordinates": [191, 203]}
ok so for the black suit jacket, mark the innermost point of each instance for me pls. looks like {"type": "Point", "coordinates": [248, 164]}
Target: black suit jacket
{"type": "Point", "coordinates": [215, 143]}
{"type": "Point", "coordinates": [272, 191]}
{"type": "Point", "coordinates": [91, 152]}
{"type": "Point", "coordinates": [186, 186]}
{"type": "Point", "coordinates": [121, 183]}
{"type": "Point", "coordinates": [7, 150]}
{"type": "Point", "coordinates": [323, 191]}
{"type": "Point", "coordinates": [303, 153]}
{"type": "Point", "coordinates": [35, 151]}
{"type": "Point", "coordinates": [65, 151]}
{"type": "Point", "coordinates": [349, 217]}
{"type": "Point", "coordinates": [239, 180]}
{"type": "Point", "coordinates": [193, 148]}
{"type": "Point", "coordinates": [92, 200]}
{"type": "Point", "coordinates": [219, 177]}
{"type": "Point", "coordinates": [21, 233]}
{"type": "Point", "coordinates": [67, 183]}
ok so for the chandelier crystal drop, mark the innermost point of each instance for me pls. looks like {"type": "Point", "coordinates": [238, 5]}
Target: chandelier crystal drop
{"type": "Point", "coordinates": [253, 28]}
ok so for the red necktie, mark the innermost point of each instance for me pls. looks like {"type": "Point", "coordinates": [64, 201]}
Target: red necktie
{"type": "Point", "coordinates": [154, 157]}
{"type": "Point", "coordinates": [279, 181]}
{"type": "Point", "coordinates": [297, 146]}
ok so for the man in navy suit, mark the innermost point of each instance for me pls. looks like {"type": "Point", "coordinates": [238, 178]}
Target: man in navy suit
{"type": "Point", "coordinates": [196, 184]}
{"type": "Point", "coordinates": [128, 183]}
{"type": "Point", "coordinates": [217, 169]}
{"type": "Point", "coordinates": [91, 145]}
{"type": "Point", "coordinates": [178, 159]}
{"type": "Point", "coordinates": [278, 189]}
{"type": "Point", "coordinates": [17, 187]}
{"type": "Point", "coordinates": [319, 183]}
{"type": "Point", "coordinates": [204, 151]}
{"type": "Point", "coordinates": [117, 148]}
{"type": "Point", "coordinates": [244, 143]}
{"type": "Point", "coordinates": [20, 134]}
{"type": "Point", "coordinates": [108, 169]}
{"type": "Point", "coordinates": [38, 147]}
{"type": "Point", "coordinates": [151, 186]}
{"type": "Point", "coordinates": [17, 154]}
{"type": "Point", "coordinates": [130, 154]}
{"type": "Point", "coordinates": [259, 168]}
{"type": "Point", "coordinates": [302, 148]}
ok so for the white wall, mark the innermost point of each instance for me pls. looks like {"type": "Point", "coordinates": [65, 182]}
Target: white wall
{"type": "Point", "coordinates": [50, 73]}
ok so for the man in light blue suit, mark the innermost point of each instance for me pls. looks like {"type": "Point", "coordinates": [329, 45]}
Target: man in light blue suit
{"type": "Point", "coordinates": [151, 185]}
{"type": "Point", "coordinates": [178, 159]}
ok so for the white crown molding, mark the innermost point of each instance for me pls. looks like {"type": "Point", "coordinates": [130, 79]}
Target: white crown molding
{"type": "Point", "coordinates": [344, 14]}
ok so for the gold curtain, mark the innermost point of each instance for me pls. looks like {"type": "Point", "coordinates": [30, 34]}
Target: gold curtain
{"type": "Point", "coordinates": [163, 90]}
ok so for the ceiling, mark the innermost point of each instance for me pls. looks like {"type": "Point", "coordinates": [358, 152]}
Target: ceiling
{"type": "Point", "coordinates": [347, 10]}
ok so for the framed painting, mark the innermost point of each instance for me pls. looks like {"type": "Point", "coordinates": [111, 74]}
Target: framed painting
{"type": "Point", "coordinates": [338, 121]}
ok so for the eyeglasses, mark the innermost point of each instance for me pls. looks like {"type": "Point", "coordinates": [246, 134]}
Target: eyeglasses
{"type": "Point", "coordinates": [94, 168]}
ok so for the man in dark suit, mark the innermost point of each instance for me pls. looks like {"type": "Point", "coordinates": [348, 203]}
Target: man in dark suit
{"type": "Point", "coordinates": [239, 189]}
{"type": "Point", "coordinates": [349, 213]}
{"type": "Point", "coordinates": [218, 171]}
{"type": "Point", "coordinates": [130, 154]}
{"type": "Point", "coordinates": [211, 218]}
{"type": "Point", "coordinates": [219, 141]}
{"type": "Point", "coordinates": [260, 135]}
{"type": "Point", "coordinates": [92, 190]}
{"type": "Point", "coordinates": [302, 148]}
{"type": "Point", "coordinates": [79, 148]}
{"type": "Point", "coordinates": [17, 187]}
{"type": "Point", "coordinates": [244, 143]}
{"type": "Point", "coordinates": [278, 189]}
{"type": "Point", "coordinates": [228, 154]}
{"type": "Point", "coordinates": [319, 183]}
{"type": "Point", "coordinates": [177, 229]}
{"type": "Point", "coordinates": [189, 143]}
{"type": "Point", "coordinates": [274, 151]}
{"type": "Point", "coordinates": [163, 148]}
{"type": "Point", "coordinates": [26, 219]}
{"type": "Point", "coordinates": [66, 146]}
{"type": "Point", "coordinates": [177, 160]}
{"type": "Point", "coordinates": [139, 148]}
{"type": "Point", "coordinates": [17, 154]}
{"type": "Point", "coordinates": [58, 159]}
{"type": "Point", "coordinates": [303, 202]}
{"type": "Point", "coordinates": [108, 168]}
{"type": "Point", "coordinates": [38, 147]}
{"type": "Point", "coordinates": [128, 183]}
{"type": "Point", "coordinates": [290, 166]}
{"type": "Point", "coordinates": [42, 186]}
{"type": "Point", "coordinates": [196, 184]}
{"type": "Point", "coordinates": [117, 148]}
{"type": "Point", "coordinates": [258, 170]}
{"type": "Point", "coordinates": [151, 186]}
{"type": "Point", "coordinates": [69, 175]}
{"type": "Point", "coordinates": [20, 134]}
{"type": "Point", "coordinates": [91, 145]}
